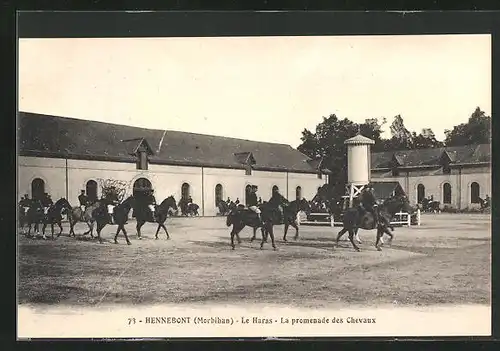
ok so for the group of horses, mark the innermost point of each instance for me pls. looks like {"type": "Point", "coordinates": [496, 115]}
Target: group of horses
{"type": "Point", "coordinates": [238, 217]}
{"type": "Point", "coordinates": [96, 213]}
{"type": "Point", "coordinates": [353, 219]}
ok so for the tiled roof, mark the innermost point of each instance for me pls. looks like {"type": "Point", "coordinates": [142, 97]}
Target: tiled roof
{"type": "Point", "coordinates": [383, 190]}
{"type": "Point", "coordinates": [468, 154]}
{"type": "Point", "coordinates": [60, 136]}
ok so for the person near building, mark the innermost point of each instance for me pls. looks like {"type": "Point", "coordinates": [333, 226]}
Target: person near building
{"type": "Point", "coordinates": [83, 199]}
{"type": "Point", "coordinates": [252, 202]}
{"type": "Point", "coordinates": [368, 202]}
{"type": "Point", "coordinates": [151, 203]}
{"type": "Point", "coordinates": [46, 202]}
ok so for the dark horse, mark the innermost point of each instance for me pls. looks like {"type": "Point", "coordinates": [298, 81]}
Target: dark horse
{"type": "Point", "coordinates": [143, 214]}
{"type": "Point", "coordinates": [354, 218]}
{"type": "Point", "coordinates": [32, 215]}
{"type": "Point", "coordinates": [290, 212]}
{"type": "Point", "coordinates": [120, 216]}
{"type": "Point", "coordinates": [225, 208]}
{"type": "Point", "coordinates": [54, 216]}
{"type": "Point", "coordinates": [239, 218]}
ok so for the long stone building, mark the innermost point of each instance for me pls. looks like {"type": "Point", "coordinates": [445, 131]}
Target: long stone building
{"type": "Point", "coordinates": [62, 156]}
{"type": "Point", "coordinates": [454, 176]}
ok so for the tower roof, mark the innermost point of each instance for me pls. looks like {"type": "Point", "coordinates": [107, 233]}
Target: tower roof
{"type": "Point", "coordinates": [359, 140]}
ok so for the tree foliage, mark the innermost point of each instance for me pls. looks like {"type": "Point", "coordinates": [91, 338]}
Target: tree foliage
{"type": "Point", "coordinates": [476, 131]}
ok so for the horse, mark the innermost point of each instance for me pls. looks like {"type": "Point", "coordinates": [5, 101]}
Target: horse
{"type": "Point", "coordinates": [143, 214]}
{"type": "Point", "coordinates": [23, 217]}
{"type": "Point", "coordinates": [76, 215]}
{"type": "Point", "coordinates": [192, 209]}
{"type": "Point", "coordinates": [431, 206]}
{"type": "Point", "coordinates": [353, 219]}
{"type": "Point", "coordinates": [239, 218]}
{"type": "Point", "coordinates": [120, 216]}
{"type": "Point", "coordinates": [290, 212]}
{"type": "Point", "coordinates": [54, 216]}
{"type": "Point", "coordinates": [224, 208]}
{"type": "Point", "coordinates": [33, 215]}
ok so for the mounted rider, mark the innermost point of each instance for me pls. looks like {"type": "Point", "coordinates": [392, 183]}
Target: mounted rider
{"type": "Point", "coordinates": [25, 203]}
{"type": "Point", "coordinates": [150, 201]}
{"type": "Point", "coordinates": [110, 200]}
{"type": "Point", "coordinates": [368, 202]}
{"type": "Point", "coordinates": [278, 201]}
{"type": "Point", "coordinates": [252, 202]}
{"type": "Point", "coordinates": [46, 202]}
{"type": "Point", "coordinates": [83, 199]}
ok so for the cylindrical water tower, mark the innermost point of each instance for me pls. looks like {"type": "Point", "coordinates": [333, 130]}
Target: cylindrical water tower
{"type": "Point", "coordinates": [358, 165]}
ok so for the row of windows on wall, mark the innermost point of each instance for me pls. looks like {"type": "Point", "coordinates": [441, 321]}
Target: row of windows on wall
{"type": "Point", "coordinates": [140, 186]}
{"type": "Point", "coordinates": [474, 193]}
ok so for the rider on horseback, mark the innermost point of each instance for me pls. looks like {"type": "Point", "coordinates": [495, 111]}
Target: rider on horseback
{"type": "Point", "coordinates": [110, 200]}
{"type": "Point", "coordinates": [277, 201]}
{"type": "Point", "coordinates": [252, 201]}
{"type": "Point", "coordinates": [368, 202]}
{"type": "Point", "coordinates": [151, 202]}
{"type": "Point", "coordinates": [83, 200]}
{"type": "Point", "coordinates": [46, 202]}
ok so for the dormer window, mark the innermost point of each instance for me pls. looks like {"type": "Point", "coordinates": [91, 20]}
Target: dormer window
{"type": "Point", "coordinates": [320, 175]}
{"type": "Point", "coordinates": [446, 169]}
{"type": "Point", "coordinates": [445, 162]}
{"type": "Point", "coordinates": [247, 160]}
{"type": "Point", "coordinates": [139, 148]}
{"type": "Point", "coordinates": [395, 172]}
{"type": "Point", "coordinates": [248, 170]}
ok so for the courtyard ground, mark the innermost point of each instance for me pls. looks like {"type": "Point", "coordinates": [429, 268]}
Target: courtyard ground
{"type": "Point", "coordinates": [446, 260]}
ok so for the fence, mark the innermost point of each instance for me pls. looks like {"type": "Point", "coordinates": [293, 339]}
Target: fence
{"type": "Point", "coordinates": [400, 218]}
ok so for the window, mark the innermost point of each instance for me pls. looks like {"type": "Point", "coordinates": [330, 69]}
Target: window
{"type": "Point", "coordinates": [420, 193]}
{"type": "Point", "coordinates": [248, 190]}
{"type": "Point", "coordinates": [446, 193]}
{"type": "Point", "coordinates": [248, 170]}
{"type": "Point", "coordinates": [298, 193]}
{"type": "Point", "coordinates": [91, 190]}
{"type": "Point", "coordinates": [142, 160]}
{"type": "Point", "coordinates": [185, 191]}
{"type": "Point", "coordinates": [218, 194]}
{"type": "Point", "coordinates": [141, 187]}
{"type": "Point", "coordinates": [37, 188]}
{"type": "Point", "coordinates": [474, 193]}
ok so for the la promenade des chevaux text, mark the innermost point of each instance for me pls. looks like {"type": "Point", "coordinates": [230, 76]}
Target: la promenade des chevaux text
{"type": "Point", "coordinates": [251, 320]}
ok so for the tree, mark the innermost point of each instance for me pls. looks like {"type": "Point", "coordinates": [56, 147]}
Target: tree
{"type": "Point", "coordinates": [425, 140]}
{"type": "Point", "coordinates": [328, 143]}
{"type": "Point", "coordinates": [476, 131]}
{"type": "Point", "coordinates": [401, 138]}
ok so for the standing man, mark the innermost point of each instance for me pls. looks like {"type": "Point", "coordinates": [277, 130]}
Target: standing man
{"type": "Point", "coordinates": [252, 201]}
{"type": "Point", "coordinates": [83, 200]}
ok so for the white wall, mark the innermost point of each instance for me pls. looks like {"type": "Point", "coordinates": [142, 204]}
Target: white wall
{"type": "Point", "coordinates": [166, 180]}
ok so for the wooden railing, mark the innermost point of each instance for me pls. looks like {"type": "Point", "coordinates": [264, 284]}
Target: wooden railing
{"type": "Point", "coordinates": [400, 218]}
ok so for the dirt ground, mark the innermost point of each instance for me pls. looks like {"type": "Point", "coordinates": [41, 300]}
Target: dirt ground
{"type": "Point", "coordinates": [446, 260]}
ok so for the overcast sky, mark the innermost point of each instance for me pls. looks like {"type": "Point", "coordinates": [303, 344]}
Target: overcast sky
{"type": "Point", "coordinates": [258, 88]}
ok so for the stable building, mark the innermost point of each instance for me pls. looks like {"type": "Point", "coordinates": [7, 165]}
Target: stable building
{"type": "Point", "coordinates": [457, 177]}
{"type": "Point", "coordinates": [62, 156]}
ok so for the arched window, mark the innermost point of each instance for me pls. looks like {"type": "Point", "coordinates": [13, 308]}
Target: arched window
{"type": "Point", "coordinates": [420, 193]}
{"type": "Point", "coordinates": [185, 191]}
{"type": "Point", "coordinates": [298, 193]}
{"type": "Point", "coordinates": [474, 193]}
{"type": "Point", "coordinates": [37, 188]}
{"type": "Point", "coordinates": [219, 196]}
{"type": "Point", "coordinates": [446, 193]}
{"type": "Point", "coordinates": [141, 187]}
{"type": "Point", "coordinates": [91, 190]}
{"type": "Point", "coordinates": [248, 190]}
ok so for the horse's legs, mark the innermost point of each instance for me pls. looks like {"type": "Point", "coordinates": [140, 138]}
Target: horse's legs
{"type": "Point", "coordinates": [91, 226]}
{"type": "Point", "coordinates": [388, 232]}
{"type": "Point", "coordinates": [43, 230]}
{"type": "Point", "coordinates": [339, 235]}
{"type": "Point", "coordinates": [166, 231]}
{"type": "Point", "coordinates": [254, 234]}
{"type": "Point", "coordinates": [52, 230]}
{"type": "Point", "coordinates": [157, 231]}
{"type": "Point", "coordinates": [140, 223]}
{"type": "Point", "coordinates": [378, 241]}
{"type": "Point", "coordinates": [351, 238]}
{"type": "Point", "coordinates": [100, 226]}
{"type": "Point", "coordinates": [356, 235]}
{"type": "Point", "coordinates": [286, 230]}
{"type": "Point", "coordinates": [61, 229]}
{"type": "Point", "coordinates": [235, 231]}
{"type": "Point", "coordinates": [294, 224]}
{"type": "Point", "coordinates": [122, 227]}
{"type": "Point", "coordinates": [269, 230]}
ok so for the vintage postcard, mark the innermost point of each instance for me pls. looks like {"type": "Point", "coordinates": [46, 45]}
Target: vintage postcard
{"type": "Point", "coordinates": [266, 186]}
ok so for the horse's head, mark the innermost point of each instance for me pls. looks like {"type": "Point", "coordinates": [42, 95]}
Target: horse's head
{"type": "Point", "coordinates": [171, 205]}
{"type": "Point", "coordinates": [398, 203]}
{"type": "Point", "coordinates": [62, 205]}
{"type": "Point", "coordinates": [304, 205]}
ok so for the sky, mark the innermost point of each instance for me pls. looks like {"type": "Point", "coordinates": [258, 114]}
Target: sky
{"type": "Point", "coordinates": [258, 88]}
